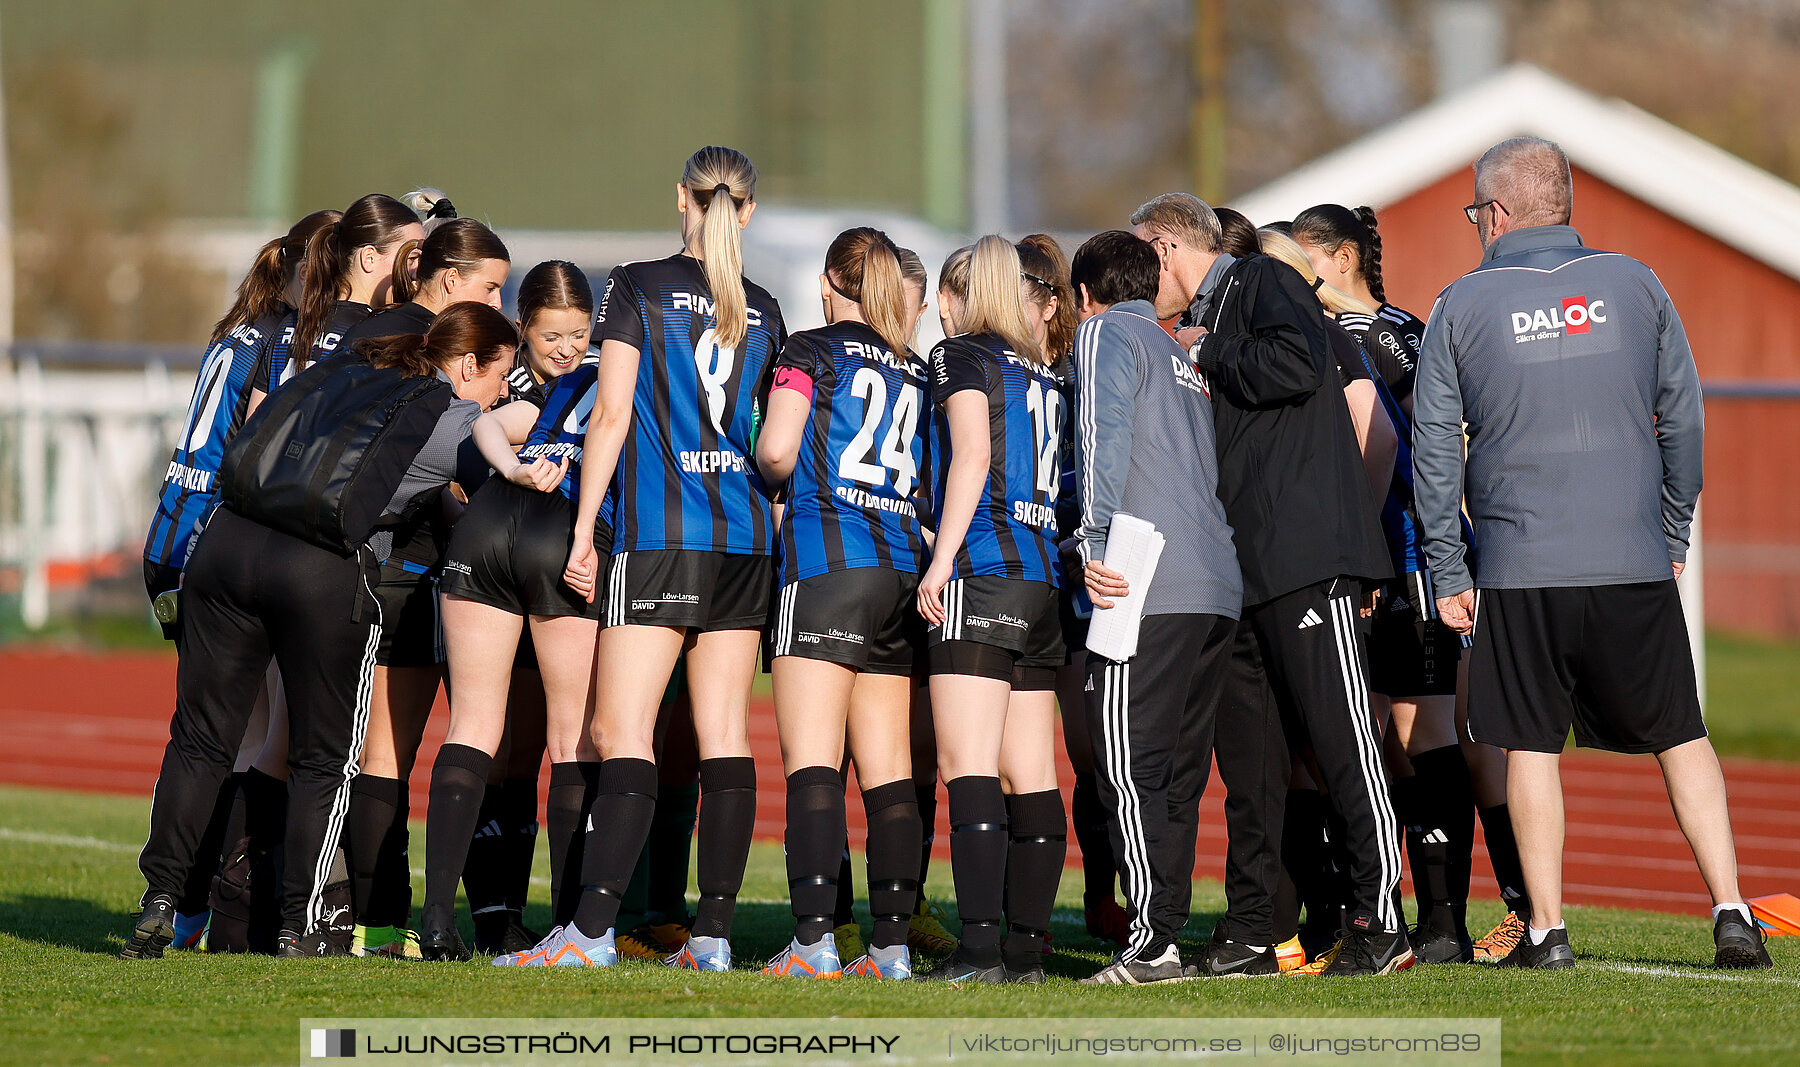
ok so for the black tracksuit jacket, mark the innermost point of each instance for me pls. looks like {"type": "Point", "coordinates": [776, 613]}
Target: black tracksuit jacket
{"type": "Point", "coordinates": [1290, 474]}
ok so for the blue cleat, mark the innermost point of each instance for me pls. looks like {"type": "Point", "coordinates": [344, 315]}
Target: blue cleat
{"type": "Point", "coordinates": [705, 954]}
{"type": "Point", "coordinates": [565, 947]}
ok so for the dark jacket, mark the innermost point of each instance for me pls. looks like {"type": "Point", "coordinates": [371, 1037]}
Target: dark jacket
{"type": "Point", "coordinates": [1290, 475]}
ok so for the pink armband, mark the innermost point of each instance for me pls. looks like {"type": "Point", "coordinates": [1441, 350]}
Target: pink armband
{"type": "Point", "coordinates": [795, 379]}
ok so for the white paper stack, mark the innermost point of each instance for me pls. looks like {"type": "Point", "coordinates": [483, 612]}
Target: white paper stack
{"type": "Point", "coordinates": [1132, 548]}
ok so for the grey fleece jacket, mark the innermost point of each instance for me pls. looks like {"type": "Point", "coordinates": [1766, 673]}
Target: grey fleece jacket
{"type": "Point", "coordinates": [1144, 446]}
{"type": "Point", "coordinates": [1574, 377]}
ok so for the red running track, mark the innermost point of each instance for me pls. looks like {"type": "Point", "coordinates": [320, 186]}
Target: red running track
{"type": "Point", "coordinates": [73, 720]}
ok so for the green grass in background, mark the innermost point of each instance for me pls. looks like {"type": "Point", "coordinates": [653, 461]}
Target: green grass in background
{"type": "Point", "coordinates": [1753, 696]}
{"type": "Point", "coordinates": [68, 886]}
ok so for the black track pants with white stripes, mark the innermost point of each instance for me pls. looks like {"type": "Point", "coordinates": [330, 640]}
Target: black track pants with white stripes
{"type": "Point", "coordinates": [252, 594]}
{"type": "Point", "coordinates": [1152, 723]}
{"type": "Point", "coordinates": [1299, 675]}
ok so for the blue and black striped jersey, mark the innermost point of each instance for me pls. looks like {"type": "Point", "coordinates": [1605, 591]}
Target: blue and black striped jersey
{"type": "Point", "coordinates": [685, 478]}
{"type": "Point", "coordinates": [1013, 533]}
{"type": "Point", "coordinates": [852, 498]}
{"type": "Point", "coordinates": [221, 397]}
{"type": "Point", "coordinates": [561, 432]}
{"type": "Point", "coordinates": [278, 364]}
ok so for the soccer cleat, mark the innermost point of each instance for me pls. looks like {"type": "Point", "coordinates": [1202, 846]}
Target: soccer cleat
{"type": "Point", "coordinates": [1501, 940]}
{"type": "Point", "coordinates": [1317, 966]}
{"type": "Point", "coordinates": [849, 940]}
{"type": "Point", "coordinates": [1318, 936]}
{"type": "Point", "coordinates": [565, 947]}
{"type": "Point", "coordinates": [1553, 955]}
{"type": "Point", "coordinates": [1108, 922]}
{"type": "Point", "coordinates": [439, 940]}
{"type": "Point", "coordinates": [1740, 944]}
{"type": "Point", "coordinates": [1369, 950]}
{"type": "Point", "coordinates": [893, 963]}
{"type": "Point", "coordinates": [1033, 975]}
{"type": "Point", "coordinates": [958, 972]}
{"type": "Point", "coordinates": [1166, 967]}
{"type": "Point", "coordinates": [704, 954]}
{"type": "Point", "coordinates": [928, 935]}
{"type": "Point", "coordinates": [1289, 955]}
{"type": "Point", "coordinates": [190, 931]}
{"type": "Point", "coordinates": [1225, 958]}
{"type": "Point", "coordinates": [154, 931]}
{"type": "Point", "coordinates": [500, 931]}
{"type": "Point", "coordinates": [817, 960]}
{"type": "Point", "coordinates": [394, 942]}
{"type": "Point", "coordinates": [653, 940]}
{"type": "Point", "coordinates": [1432, 943]}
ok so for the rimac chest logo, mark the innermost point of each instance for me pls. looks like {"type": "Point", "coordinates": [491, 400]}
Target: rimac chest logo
{"type": "Point", "coordinates": [1576, 314]}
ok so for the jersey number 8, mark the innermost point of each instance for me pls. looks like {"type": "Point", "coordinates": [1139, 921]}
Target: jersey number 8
{"type": "Point", "coordinates": [896, 448]}
{"type": "Point", "coordinates": [715, 363]}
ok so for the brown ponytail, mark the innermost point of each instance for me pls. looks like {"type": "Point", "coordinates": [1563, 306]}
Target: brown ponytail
{"type": "Point", "coordinates": [458, 330]}
{"type": "Point", "coordinates": [375, 219]}
{"type": "Point", "coordinates": [264, 289]}
{"type": "Point", "coordinates": [863, 266]}
{"type": "Point", "coordinates": [1046, 275]}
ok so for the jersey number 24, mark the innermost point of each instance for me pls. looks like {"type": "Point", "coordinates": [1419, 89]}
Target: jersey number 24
{"type": "Point", "coordinates": [896, 459]}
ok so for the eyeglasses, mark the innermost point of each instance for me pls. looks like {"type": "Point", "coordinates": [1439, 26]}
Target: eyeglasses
{"type": "Point", "coordinates": [1474, 210]}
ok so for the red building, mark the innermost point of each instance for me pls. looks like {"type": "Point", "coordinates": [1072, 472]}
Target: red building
{"type": "Point", "coordinates": [1723, 236]}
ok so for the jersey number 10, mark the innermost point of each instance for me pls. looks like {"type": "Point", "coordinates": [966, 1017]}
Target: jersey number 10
{"type": "Point", "coordinates": [896, 448]}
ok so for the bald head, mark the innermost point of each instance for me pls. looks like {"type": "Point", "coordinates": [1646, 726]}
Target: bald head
{"type": "Point", "coordinates": [1529, 176]}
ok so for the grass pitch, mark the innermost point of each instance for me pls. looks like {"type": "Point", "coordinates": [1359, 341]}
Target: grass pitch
{"type": "Point", "coordinates": [68, 886]}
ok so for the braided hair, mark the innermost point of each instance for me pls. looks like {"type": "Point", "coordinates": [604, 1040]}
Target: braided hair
{"type": "Point", "coordinates": [1330, 226]}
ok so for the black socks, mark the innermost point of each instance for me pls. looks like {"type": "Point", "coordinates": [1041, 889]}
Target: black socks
{"type": "Point", "coordinates": [1503, 854]}
{"type": "Point", "coordinates": [892, 812]}
{"type": "Point", "coordinates": [978, 847]}
{"type": "Point", "coordinates": [1439, 813]}
{"type": "Point", "coordinates": [563, 813]}
{"type": "Point", "coordinates": [485, 872]}
{"type": "Point", "coordinates": [669, 849]}
{"type": "Point", "coordinates": [1034, 861]}
{"type": "Point", "coordinates": [374, 805]}
{"type": "Point", "coordinates": [519, 823]}
{"type": "Point", "coordinates": [1099, 870]}
{"type": "Point", "coordinates": [1305, 853]}
{"type": "Point", "coordinates": [458, 784]}
{"type": "Point", "coordinates": [624, 804]}
{"type": "Point", "coordinates": [815, 838]}
{"type": "Point", "coordinates": [925, 795]}
{"type": "Point", "coordinates": [727, 819]}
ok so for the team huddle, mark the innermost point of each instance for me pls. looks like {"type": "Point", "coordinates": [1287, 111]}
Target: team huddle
{"type": "Point", "coordinates": [592, 525]}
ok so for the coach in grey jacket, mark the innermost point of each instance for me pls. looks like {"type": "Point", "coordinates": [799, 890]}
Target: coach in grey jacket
{"type": "Point", "coordinates": [1144, 447]}
{"type": "Point", "coordinates": [1572, 374]}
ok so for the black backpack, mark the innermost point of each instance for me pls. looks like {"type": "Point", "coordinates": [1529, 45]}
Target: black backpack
{"type": "Point", "coordinates": [324, 454]}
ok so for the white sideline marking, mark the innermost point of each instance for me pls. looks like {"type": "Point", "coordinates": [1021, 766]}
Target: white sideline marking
{"type": "Point", "coordinates": [33, 837]}
{"type": "Point", "coordinates": [1671, 972]}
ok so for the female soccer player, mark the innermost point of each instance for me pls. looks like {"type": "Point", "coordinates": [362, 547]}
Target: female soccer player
{"type": "Point", "coordinates": [1415, 661]}
{"type": "Point", "coordinates": [255, 593]}
{"type": "Point", "coordinates": [239, 346]}
{"type": "Point", "coordinates": [844, 432]}
{"type": "Point", "coordinates": [504, 566]}
{"type": "Point", "coordinates": [462, 260]}
{"type": "Point", "coordinates": [683, 345]}
{"type": "Point", "coordinates": [990, 600]}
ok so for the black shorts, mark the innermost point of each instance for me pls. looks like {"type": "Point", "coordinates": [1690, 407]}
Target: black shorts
{"type": "Point", "coordinates": [1412, 657]}
{"type": "Point", "coordinates": [1023, 617]}
{"type": "Point", "coordinates": [1613, 661]}
{"type": "Point", "coordinates": [864, 619]}
{"type": "Point", "coordinates": [412, 634]}
{"type": "Point", "coordinates": [1075, 611]}
{"type": "Point", "coordinates": [695, 590]}
{"type": "Point", "coordinates": [509, 550]}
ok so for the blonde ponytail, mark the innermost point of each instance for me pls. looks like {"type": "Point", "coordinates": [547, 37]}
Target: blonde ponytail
{"type": "Point", "coordinates": [863, 265]}
{"type": "Point", "coordinates": [722, 256]}
{"type": "Point", "coordinates": [709, 172]}
{"type": "Point", "coordinates": [995, 303]}
{"type": "Point", "coordinates": [1280, 246]}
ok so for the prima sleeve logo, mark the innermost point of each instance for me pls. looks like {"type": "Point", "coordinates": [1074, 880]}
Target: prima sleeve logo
{"type": "Point", "coordinates": [1576, 314]}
